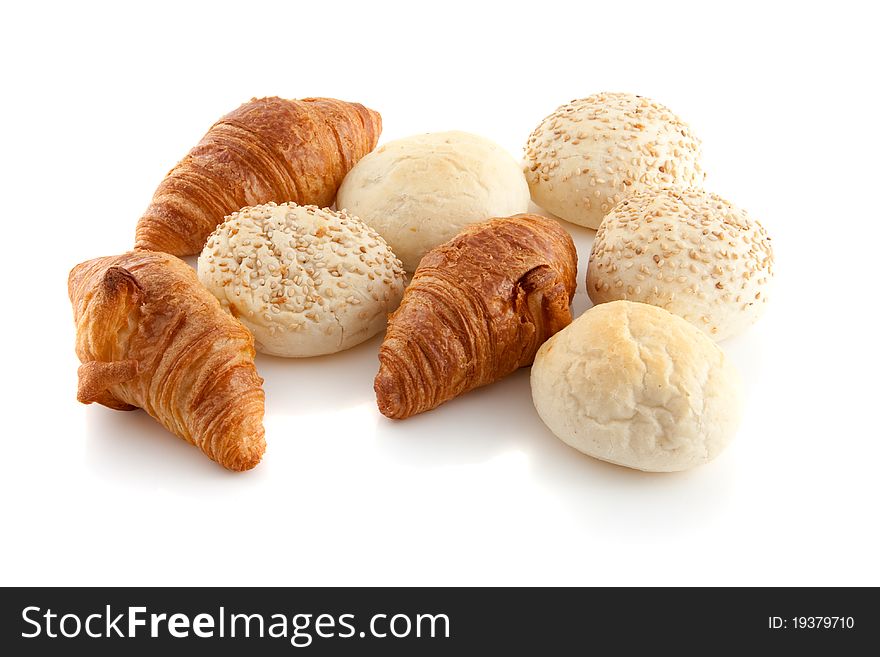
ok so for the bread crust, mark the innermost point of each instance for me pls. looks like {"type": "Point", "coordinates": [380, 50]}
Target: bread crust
{"type": "Point", "coordinates": [269, 149]}
{"type": "Point", "coordinates": [635, 385]}
{"type": "Point", "coordinates": [150, 336]}
{"type": "Point", "coordinates": [313, 282]}
{"type": "Point", "coordinates": [478, 308]}
{"type": "Point", "coordinates": [421, 191]}
{"type": "Point", "coordinates": [593, 152]}
{"type": "Point", "coordinates": [688, 251]}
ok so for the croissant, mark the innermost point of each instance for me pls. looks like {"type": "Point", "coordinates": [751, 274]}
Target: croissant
{"type": "Point", "coordinates": [150, 336]}
{"type": "Point", "coordinates": [478, 308]}
{"type": "Point", "coordinates": [269, 149]}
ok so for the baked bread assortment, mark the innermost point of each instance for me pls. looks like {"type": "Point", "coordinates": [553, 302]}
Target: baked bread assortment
{"type": "Point", "coordinates": [281, 271]}
{"type": "Point", "coordinates": [688, 251]}
{"type": "Point", "coordinates": [638, 386]}
{"type": "Point", "coordinates": [305, 281]}
{"type": "Point", "coordinates": [269, 149]}
{"type": "Point", "coordinates": [420, 191]}
{"type": "Point", "coordinates": [150, 336]}
{"type": "Point", "coordinates": [592, 153]}
{"type": "Point", "coordinates": [478, 308]}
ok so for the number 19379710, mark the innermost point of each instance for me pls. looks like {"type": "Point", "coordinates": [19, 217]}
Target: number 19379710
{"type": "Point", "coordinates": [811, 623]}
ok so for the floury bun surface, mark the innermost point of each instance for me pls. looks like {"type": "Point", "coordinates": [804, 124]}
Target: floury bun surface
{"type": "Point", "coordinates": [637, 386]}
{"type": "Point", "coordinates": [306, 281]}
{"type": "Point", "coordinates": [594, 152]}
{"type": "Point", "coordinates": [421, 191]}
{"type": "Point", "coordinates": [688, 251]}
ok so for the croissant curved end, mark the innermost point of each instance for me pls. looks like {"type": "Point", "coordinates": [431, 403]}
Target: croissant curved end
{"type": "Point", "coordinates": [155, 232]}
{"type": "Point", "coordinates": [246, 452]}
{"type": "Point", "coordinates": [244, 462]}
{"type": "Point", "coordinates": [389, 397]}
{"type": "Point", "coordinates": [376, 131]}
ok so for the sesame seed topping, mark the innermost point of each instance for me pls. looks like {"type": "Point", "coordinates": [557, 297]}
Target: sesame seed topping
{"type": "Point", "coordinates": [632, 141]}
{"type": "Point", "coordinates": [687, 240]}
{"type": "Point", "coordinates": [270, 262]}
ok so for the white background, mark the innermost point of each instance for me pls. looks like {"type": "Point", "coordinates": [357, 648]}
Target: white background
{"type": "Point", "coordinates": [100, 101]}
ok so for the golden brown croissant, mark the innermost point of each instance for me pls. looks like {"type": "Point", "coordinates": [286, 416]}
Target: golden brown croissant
{"type": "Point", "coordinates": [269, 149]}
{"type": "Point", "coordinates": [150, 336]}
{"type": "Point", "coordinates": [478, 308]}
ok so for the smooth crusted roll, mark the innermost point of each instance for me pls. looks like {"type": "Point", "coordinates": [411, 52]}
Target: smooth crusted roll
{"type": "Point", "coordinates": [306, 281]}
{"type": "Point", "coordinates": [420, 191]}
{"type": "Point", "coordinates": [688, 251]}
{"type": "Point", "coordinates": [150, 336]}
{"type": "Point", "coordinates": [477, 309]}
{"type": "Point", "coordinates": [635, 385]}
{"type": "Point", "coordinates": [592, 153]}
{"type": "Point", "coordinates": [269, 149]}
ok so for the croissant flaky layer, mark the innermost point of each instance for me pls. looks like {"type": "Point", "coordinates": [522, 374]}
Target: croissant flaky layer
{"type": "Point", "coordinates": [150, 336]}
{"type": "Point", "coordinates": [478, 308]}
{"type": "Point", "coordinates": [269, 149]}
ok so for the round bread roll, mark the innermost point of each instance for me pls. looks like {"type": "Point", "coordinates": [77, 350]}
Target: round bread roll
{"type": "Point", "coordinates": [688, 251]}
{"type": "Point", "coordinates": [305, 281]}
{"type": "Point", "coordinates": [421, 191]}
{"type": "Point", "coordinates": [637, 386]}
{"type": "Point", "coordinates": [594, 152]}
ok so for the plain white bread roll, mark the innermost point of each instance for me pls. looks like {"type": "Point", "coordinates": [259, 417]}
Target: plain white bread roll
{"type": "Point", "coordinates": [638, 386]}
{"type": "Point", "coordinates": [594, 152]}
{"type": "Point", "coordinates": [688, 251]}
{"type": "Point", "coordinates": [305, 281]}
{"type": "Point", "coordinates": [421, 191]}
